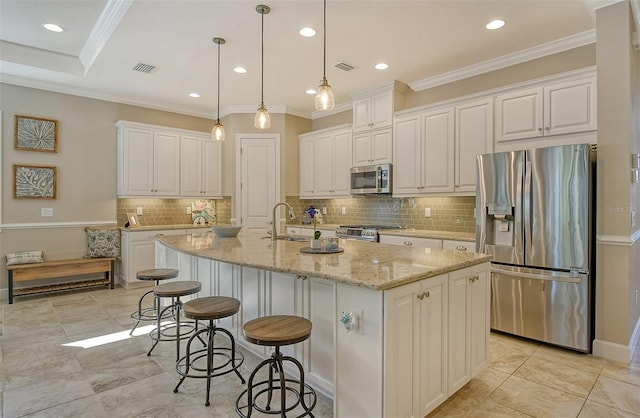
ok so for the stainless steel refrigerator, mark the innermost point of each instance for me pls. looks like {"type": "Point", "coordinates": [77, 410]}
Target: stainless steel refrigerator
{"type": "Point", "coordinates": [534, 214]}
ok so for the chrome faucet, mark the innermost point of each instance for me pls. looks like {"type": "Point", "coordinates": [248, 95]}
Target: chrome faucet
{"type": "Point", "coordinates": [274, 231]}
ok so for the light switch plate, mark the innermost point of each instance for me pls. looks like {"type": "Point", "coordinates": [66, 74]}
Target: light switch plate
{"type": "Point", "coordinates": [47, 212]}
{"type": "Point", "coordinates": [427, 212]}
{"type": "Point", "coordinates": [344, 210]}
{"type": "Point", "coordinates": [139, 211]}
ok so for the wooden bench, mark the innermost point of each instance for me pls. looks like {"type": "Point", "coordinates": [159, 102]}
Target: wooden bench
{"type": "Point", "coordinates": [60, 268]}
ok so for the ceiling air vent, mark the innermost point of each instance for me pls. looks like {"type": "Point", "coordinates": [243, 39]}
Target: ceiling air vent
{"type": "Point", "coordinates": [344, 66]}
{"type": "Point", "coordinates": [144, 68]}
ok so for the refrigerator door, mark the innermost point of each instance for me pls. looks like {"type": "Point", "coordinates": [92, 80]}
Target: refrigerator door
{"type": "Point", "coordinates": [499, 229]}
{"type": "Point", "coordinates": [556, 207]}
{"type": "Point", "coordinates": [542, 305]}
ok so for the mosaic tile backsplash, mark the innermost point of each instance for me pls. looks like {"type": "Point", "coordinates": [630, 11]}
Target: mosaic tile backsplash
{"type": "Point", "coordinates": [454, 213]}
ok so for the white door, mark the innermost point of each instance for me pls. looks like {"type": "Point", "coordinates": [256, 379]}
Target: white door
{"type": "Point", "coordinates": [258, 172]}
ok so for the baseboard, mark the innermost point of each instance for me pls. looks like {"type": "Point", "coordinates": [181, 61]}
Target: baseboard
{"type": "Point", "coordinates": [617, 352]}
{"type": "Point", "coordinates": [4, 295]}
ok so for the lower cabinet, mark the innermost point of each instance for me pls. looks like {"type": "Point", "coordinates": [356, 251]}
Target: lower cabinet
{"type": "Point", "coordinates": [414, 241]}
{"type": "Point", "coordinates": [416, 333]}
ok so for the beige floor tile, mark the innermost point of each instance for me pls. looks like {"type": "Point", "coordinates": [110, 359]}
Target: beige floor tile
{"type": "Point", "coordinates": [616, 394]}
{"type": "Point", "coordinates": [507, 357]}
{"type": "Point", "coordinates": [557, 376]}
{"type": "Point", "coordinates": [491, 409]}
{"type": "Point", "coordinates": [26, 370]}
{"type": "Point", "coordinates": [627, 372]}
{"type": "Point", "coordinates": [536, 399]}
{"type": "Point", "coordinates": [585, 362]}
{"type": "Point", "coordinates": [89, 406]}
{"type": "Point", "coordinates": [596, 410]}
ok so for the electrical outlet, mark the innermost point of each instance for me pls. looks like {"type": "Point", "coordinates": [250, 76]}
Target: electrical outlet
{"type": "Point", "coordinates": [427, 212]}
{"type": "Point", "coordinates": [188, 210]}
{"type": "Point", "coordinates": [324, 210]}
{"type": "Point", "coordinates": [344, 210]}
{"type": "Point", "coordinates": [47, 212]}
{"type": "Point", "coordinates": [139, 211]}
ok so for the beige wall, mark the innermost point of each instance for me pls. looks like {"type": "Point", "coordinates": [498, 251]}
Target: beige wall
{"type": "Point", "coordinates": [618, 280]}
{"type": "Point", "coordinates": [332, 120]}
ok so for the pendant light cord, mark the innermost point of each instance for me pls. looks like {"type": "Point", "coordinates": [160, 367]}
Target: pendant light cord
{"type": "Point", "coordinates": [324, 34]}
{"type": "Point", "coordinates": [218, 82]}
{"type": "Point", "coordinates": [262, 63]}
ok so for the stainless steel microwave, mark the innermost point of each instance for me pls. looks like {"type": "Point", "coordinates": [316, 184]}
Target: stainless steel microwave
{"type": "Point", "coordinates": [371, 179]}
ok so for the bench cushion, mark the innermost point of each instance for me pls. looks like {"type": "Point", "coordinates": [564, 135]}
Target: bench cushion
{"type": "Point", "coordinates": [103, 242]}
{"type": "Point", "coordinates": [24, 257]}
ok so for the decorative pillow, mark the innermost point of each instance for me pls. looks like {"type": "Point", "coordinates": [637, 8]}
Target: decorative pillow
{"type": "Point", "coordinates": [103, 242]}
{"type": "Point", "coordinates": [24, 257]}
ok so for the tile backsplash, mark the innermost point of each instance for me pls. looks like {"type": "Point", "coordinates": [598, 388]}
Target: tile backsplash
{"type": "Point", "coordinates": [169, 211]}
{"type": "Point", "coordinates": [454, 213]}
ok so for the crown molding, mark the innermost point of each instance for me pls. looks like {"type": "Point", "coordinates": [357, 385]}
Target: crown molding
{"type": "Point", "coordinates": [107, 23]}
{"type": "Point", "coordinates": [539, 51]}
{"type": "Point", "coordinates": [599, 4]}
{"type": "Point", "coordinates": [34, 57]}
{"type": "Point", "coordinates": [342, 107]}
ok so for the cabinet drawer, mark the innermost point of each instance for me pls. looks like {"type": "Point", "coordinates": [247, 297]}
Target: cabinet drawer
{"type": "Point", "coordinates": [411, 241]}
{"type": "Point", "coordinates": [467, 246]}
{"type": "Point", "coordinates": [134, 236]}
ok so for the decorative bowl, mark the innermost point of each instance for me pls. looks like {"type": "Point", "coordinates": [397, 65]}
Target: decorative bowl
{"type": "Point", "coordinates": [226, 231]}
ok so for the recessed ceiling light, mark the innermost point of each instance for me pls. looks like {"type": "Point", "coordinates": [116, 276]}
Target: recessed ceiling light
{"type": "Point", "coordinates": [307, 32]}
{"type": "Point", "coordinates": [240, 70]}
{"type": "Point", "coordinates": [311, 91]}
{"type": "Point", "coordinates": [194, 94]}
{"type": "Point", "coordinates": [495, 24]}
{"type": "Point", "coordinates": [53, 27]}
{"type": "Point", "coordinates": [382, 66]}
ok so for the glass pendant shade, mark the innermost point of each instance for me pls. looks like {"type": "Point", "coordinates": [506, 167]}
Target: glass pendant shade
{"type": "Point", "coordinates": [262, 120]}
{"type": "Point", "coordinates": [324, 96]}
{"type": "Point", "coordinates": [217, 133]}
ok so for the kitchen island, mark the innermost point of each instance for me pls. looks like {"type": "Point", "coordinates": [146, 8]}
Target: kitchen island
{"type": "Point", "coordinates": [396, 330]}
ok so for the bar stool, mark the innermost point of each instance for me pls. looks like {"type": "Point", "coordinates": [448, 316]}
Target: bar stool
{"type": "Point", "coordinates": [150, 314]}
{"type": "Point", "coordinates": [209, 309]}
{"type": "Point", "coordinates": [276, 331]}
{"type": "Point", "coordinates": [173, 290]}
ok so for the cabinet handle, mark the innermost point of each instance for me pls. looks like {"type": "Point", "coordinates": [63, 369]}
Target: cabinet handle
{"type": "Point", "coordinates": [461, 248]}
{"type": "Point", "coordinates": [301, 277]}
{"type": "Point", "coordinates": [474, 278]}
{"type": "Point", "coordinates": [423, 295]}
{"type": "Point", "coordinates": [539, 129]}
{"type": "Point", "coordinates": [546, 128]}
{"type": "Point", "coordinates": [408, 243]}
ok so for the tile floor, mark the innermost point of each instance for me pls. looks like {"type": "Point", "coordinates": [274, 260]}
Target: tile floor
{"type": "Point", "coordinates": [43, 377]}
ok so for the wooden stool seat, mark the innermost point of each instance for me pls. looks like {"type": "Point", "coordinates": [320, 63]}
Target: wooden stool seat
{"type": "Point", "coordinates": [175, 289]}
{"type": "Point", "coordinates": [157, 274]}
{"type": "Point", "coordinates": [211, 307]}
{"type": "Point", "coordinates": [277, 330]}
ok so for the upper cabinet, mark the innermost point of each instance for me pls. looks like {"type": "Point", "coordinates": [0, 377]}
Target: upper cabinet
{"type": "Point", "coordinates": [325, 163]}
{"type": "Point", "coordinates": [200, 162]}
{"type": "Point", "coordinates": [166, 162]}
{"type": "Point", "coordinates": [373, 123]}
{"type": "Point", "coordinates": [148, 161]}
{"type": "Point", "coordinates": [553, 109]}
{"type": "Point", "coordinates": [474, 135]}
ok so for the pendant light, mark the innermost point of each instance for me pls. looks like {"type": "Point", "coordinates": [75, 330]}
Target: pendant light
{"type": "Point", "coordinates": [217, 133]}
{"type": "Point", "coordinates": [324, 96]}
{"type": "Point", "coordinates": [262, 119]}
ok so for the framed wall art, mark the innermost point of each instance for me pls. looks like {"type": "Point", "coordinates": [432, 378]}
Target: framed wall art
{"type": "Point", "coordinates": [34, 181]}
{"type": "Point", "coordinates": [36, 134]}
{"type": "Point", "coordinates": [133, 220]}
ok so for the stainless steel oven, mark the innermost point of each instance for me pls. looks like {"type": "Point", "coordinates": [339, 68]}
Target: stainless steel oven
{"type": "Point", "coordinates": [362, 232]}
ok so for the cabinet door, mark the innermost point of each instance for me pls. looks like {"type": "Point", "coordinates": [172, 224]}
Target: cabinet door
{"type": "Point", "coordinates": [166, 153]}
{"type": "Point", "coordinates": [361, 149]}
{"type": "Point", "coordinates": [382, 110]}
{"type": "Point", "coordinates": [459, 367]}
{"type": "Point", "coordinates": [437, 151]}
{"type": "Point", "coordinates": [307, 164]}
{"type": "Point", "coordinates": [342, 163]}
{"type": "Point", "coordinates": [479, 319]}
{"type": "Point", "coordinates": [570, 107]}
{"type": "Point", "coordinates": [141, 256]}
{"type": "Point", "coordinates": [137, 162]}
{"type": "Point", "coordinates": [519, 115]}
{"type": "Point", "coordinates": [212, 169]}
{"type": "Point", "coordinates": [318, 303]}
{"type": "Point", "coordinates": [407, 156]}
{"type": "Point", "coordinates": [411, 241]}
{"type": "Point", "coordinates": [474, 135]}
{"type": "Point", "coordinates": [323, 163]}
{"type": "Point", "coordinates": [361, 115]}
{"type": "Point", "coordinates": [191, 167]}
{"type": "Point", "coordinates": [381, 146]}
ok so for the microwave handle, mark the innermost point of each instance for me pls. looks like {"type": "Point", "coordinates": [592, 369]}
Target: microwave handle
{"type": "Point", "coordinates": [378, 178]}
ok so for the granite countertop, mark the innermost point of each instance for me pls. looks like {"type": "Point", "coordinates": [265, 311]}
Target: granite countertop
{"type": "Point", "coordinates": [365, 264]}
{"type": "Point", "coordinates": [166, 227]}
{"type": "Point", "coordinates": [425, 233]}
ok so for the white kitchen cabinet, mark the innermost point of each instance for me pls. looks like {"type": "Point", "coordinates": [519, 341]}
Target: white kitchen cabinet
{"type": "Point", "coordinates": [418, 242]}
{"type": "Point", "coordinates": [473, 136]}
{"type": "Point", "coordinates": [200, 167]}
{"type": "Point", "coordinates": [423, 157]}
{"type": "Point", "coordinates": [455, 245]}
{"type": "Point", "coordinates": [468, 325]}
{"type": "Point", "coordinates": [138, 253]}
{"type": "Point", "coordinates": [553, 109]}
{"type": "Point", "coordinates": [415, 364]}
{"type": "Point", "coordinates": [373, 111]}
{"type": "Point", "coordinates": [308, 231]}
{"type": "Point", "coordinates": [325, 163]}
{"type": "Point", "coordinates": [375, 147]}
{"type": "Point", "coordinates": [148, 161]}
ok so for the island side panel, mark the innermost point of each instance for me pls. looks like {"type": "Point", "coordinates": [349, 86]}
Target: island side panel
{"type": "Point", "coordinates": [359, 354]}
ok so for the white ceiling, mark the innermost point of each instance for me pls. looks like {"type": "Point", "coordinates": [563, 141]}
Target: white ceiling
{"type": "Point", "coordinates": [425, 43]}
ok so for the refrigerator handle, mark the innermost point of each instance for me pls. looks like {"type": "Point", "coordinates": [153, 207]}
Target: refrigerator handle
{"type": "Point", "coordinates": [555, 277]}
{"type": "Point", "coordinates": [526, 207]}
{"type": "Point", "coordinates": [517, 221]}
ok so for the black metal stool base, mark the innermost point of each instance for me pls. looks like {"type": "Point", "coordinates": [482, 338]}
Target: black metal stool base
{"type": "Point", "coordinates": [186, 366]}
{"type": "Point", "coordinates": [163, 332]}
{"type": "Point", "coordinates": [149, 314]}
{"type": "Point", "coordinates": [303, 395]}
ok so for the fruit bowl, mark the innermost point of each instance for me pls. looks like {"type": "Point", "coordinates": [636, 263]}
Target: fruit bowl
{"type": "Point", "coordinates": [226, 231]}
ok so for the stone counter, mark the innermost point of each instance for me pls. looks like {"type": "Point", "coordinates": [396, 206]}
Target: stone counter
{"type": "Point", "coordinates": [363, 264]}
